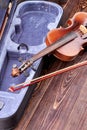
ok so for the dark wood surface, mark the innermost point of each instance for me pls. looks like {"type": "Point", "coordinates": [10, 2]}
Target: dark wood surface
{"type": "Point", "coordinates": [60, 103]}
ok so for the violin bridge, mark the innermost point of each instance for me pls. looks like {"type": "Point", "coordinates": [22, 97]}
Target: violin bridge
{"type": "Point", "coordinates": [83, 29]}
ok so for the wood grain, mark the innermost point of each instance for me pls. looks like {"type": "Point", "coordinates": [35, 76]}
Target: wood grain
{"type": "Point", "coordinates": [59, 103]}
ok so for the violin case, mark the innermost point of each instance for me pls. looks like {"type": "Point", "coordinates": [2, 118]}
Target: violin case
{"type": "Point", "coordinates": [27, 24]}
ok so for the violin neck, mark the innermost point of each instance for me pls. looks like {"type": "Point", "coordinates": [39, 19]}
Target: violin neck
{"type": "Point", "coordinates": [62, 41]}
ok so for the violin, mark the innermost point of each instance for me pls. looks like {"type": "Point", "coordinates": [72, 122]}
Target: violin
{"type": "Point", "coordinates": [78, 24]}
{"type": "Point", "coordinates": [64, 43]}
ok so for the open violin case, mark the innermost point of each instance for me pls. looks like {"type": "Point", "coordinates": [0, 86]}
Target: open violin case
{"type": "Point", "coordinates": [26, 27]}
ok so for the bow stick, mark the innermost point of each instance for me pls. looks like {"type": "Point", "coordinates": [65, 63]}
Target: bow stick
{"type": "Point", "coordinates": [41, 78]}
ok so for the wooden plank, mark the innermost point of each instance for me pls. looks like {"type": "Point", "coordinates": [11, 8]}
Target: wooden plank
{"type": "Point", "coordinates": [78, 114]}
{"type": "Point", "coordinates": [33, 104]}
{"type": "Point", "coordinates": [68, 8]}
{"type": "Point", "coordinates": [84, 125]}
{"type": "Point", "coordinates": [54, 109]}
{"type": "Point", "coordinates": [59, 103]}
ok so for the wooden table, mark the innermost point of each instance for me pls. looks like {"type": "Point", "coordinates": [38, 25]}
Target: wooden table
{"type": "Point", "coordinates": [60, 103]}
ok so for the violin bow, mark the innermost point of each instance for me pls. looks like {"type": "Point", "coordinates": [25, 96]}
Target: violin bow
{"type": "Point", "coordinates": [41, 78]}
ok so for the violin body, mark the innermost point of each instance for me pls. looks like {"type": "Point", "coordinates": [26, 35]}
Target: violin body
{"type": "Point", "coordinates": [73, 48]}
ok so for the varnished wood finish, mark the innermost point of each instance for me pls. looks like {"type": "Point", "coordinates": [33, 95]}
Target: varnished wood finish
{"type": "Point", "coordinates": [59, 103]}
